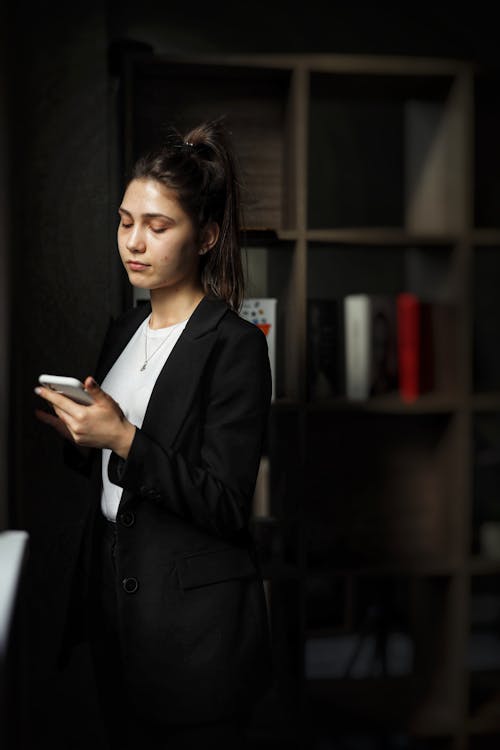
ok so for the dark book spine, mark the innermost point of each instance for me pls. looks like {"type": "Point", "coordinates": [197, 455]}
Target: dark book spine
{"type": "Point", "coordinates": [408, 326]}
{"type": "Point", "coordinates": [324, 350]}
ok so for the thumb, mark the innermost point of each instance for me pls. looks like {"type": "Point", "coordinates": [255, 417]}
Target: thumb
{"type": "Point", "coordinates": [92, 387]}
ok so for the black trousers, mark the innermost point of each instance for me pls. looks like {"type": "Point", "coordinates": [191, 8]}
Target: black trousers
{"type": "Point", "coordinates": [123, 727]}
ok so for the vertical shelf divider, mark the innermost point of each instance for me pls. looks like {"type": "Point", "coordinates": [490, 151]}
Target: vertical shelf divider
{"type": "Point", "coordinates": [298, 302]}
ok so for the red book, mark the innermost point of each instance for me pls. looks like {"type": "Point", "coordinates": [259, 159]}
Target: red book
{"type": "Point", "coordinates": [415, 346]}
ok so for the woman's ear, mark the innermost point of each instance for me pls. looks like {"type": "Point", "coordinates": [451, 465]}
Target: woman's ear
{"type": "Point", "coordinates": [209, 237]}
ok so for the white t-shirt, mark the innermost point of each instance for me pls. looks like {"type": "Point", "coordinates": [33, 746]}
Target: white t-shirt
{"type": "Point", "coordinates": [131, 388]}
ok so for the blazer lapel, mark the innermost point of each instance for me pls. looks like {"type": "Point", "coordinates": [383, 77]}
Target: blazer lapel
{"type": "Point", "coordinates": [179, 379]}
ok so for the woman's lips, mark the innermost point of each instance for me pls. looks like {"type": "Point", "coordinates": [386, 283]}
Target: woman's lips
{"type": "Point", "coordinates": [134, 265]}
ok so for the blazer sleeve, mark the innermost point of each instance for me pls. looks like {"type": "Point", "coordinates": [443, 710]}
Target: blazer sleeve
{"type": "Point", "coordinates": [215, 492]}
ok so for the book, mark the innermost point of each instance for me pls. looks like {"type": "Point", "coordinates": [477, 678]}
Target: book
{"type": "Point", "coordinates": [426, 346]}
{"type": "Point", "coordinates": [325, 361]}
{"type": "Point", "coordinates": [262, 313]}
{"type": "Point", "coordinates": [415, 373]}
{"type": "Point", "coordinates": [370, 345]}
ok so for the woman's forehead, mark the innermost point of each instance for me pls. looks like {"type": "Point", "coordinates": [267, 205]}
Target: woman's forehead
{"type": "Point", "coordinates": [147, 196]}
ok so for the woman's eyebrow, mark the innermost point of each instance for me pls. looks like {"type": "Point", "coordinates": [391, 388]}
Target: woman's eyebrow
{"type": "Point", "coordinates": [146, 216]}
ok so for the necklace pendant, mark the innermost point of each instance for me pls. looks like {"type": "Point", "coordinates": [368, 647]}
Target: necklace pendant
{"type": "Point", "coordinates": [143, 367]}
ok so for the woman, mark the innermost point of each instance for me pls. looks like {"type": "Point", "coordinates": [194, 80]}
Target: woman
{"type": "Point", "coordinates": [176, 611]}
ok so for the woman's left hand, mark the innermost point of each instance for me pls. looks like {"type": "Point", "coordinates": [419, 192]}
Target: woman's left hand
{"type": "Point", "coordinates": [100, 425]}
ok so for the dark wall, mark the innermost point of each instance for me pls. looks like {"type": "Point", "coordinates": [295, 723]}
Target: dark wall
{"type": "Point", "coordinates": [62, 248]}
{"type": "Point", "coordinates": [4, 276]}
{"type": "Point", "coordinates": [63, 272]}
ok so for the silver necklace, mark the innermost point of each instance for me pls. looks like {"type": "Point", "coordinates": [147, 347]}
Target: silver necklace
{"type": "Point", "coordinates": [146, 358]}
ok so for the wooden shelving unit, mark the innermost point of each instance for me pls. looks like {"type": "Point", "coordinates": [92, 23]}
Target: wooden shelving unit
{"type": "Point", "coordinates": [375, 175]}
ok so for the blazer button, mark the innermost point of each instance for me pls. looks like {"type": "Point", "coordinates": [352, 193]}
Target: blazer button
{"type": "Point", "coordinates": [127, 518]}
{"type": "Point", "coordinates": [130, 585]}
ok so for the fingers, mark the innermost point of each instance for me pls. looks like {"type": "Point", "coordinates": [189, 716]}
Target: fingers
{"type": "Point", "coordinates": [44, 416]}
{"type": "Point", "coordinates": [64, 403]}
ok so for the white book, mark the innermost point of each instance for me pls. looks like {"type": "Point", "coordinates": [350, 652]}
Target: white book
{"type": "Point", "coordinates": [357, 345]}
{"type": "Point", "coordinates": [262, 313]}
{"type": "Point", "coordinates": [370, 345]}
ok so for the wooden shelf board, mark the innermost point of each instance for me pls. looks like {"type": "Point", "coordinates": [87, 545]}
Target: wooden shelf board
{"type": "Point", "coordinates": [392, 569]}
{"type": "Point", "coordinates": [379, 236]}
{"type": "Point", "coordinates": [482, 566]}
{"type": "Point", "coordinates": [483, 726]}
{"type": "Point", "coordinates": [288, 235]}
{"type": "Point", "coordinates": [390, 404]}
{"type": "Point", "coordinates": [333, 63]}
{"type": "Point", "coordinates": [485, 401]}
{"type": "Point", "coordinates": [263, 236]}
{"type": "Point", "coordinates": [486, 236]}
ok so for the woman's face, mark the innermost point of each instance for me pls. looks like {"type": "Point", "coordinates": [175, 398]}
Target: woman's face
{"type": "Point", "coordinates": [157, 240]}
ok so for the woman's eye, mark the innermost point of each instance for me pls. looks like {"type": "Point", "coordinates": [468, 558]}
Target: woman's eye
{"type": "Point", "coordinates": [125, 226]}
{"type": "Point", "coordinates": [158, 230]}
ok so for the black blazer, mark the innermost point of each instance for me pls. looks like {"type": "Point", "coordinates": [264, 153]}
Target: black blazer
{"type": "Point", "coordinates": [193, 619]}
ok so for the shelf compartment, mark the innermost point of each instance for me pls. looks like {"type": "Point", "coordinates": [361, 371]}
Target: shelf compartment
{"type": "Point", "coordinates": [488, 741]}
{"type": "Point", "coordinates": [336, 271]}
{"type": "Point", "coordinates": [386, 667]}
{"type": "Point", "coordinates": [483, 649]}
{"type": "Point", "coordinates": [485, 538]}
{"type": "Point", "coordinates": [484, 711]}
{"type": "Point", "coordinates": [378, 705]}
{"type": "Point", "coordinates": [386, 151]}
{"type": "Point", "coordinates": [256, 103]}
{"type": "Point", "coordinates": [358, 628]}
{"type": "Point", "coordinates": [483, 661]}
{"type": "Point", "coordinates": [382, 489]}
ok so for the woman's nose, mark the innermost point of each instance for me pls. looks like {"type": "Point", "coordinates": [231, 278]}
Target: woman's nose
{"type": "Point", "coordinates": [135, 241]}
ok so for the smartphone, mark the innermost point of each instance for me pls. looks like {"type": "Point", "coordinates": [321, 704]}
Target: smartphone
{"type": "Point", "coordinates": [70, 387]}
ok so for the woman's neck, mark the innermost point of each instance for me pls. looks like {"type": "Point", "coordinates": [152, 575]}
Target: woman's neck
{"type": "Point", "coordinates": [170, 306]}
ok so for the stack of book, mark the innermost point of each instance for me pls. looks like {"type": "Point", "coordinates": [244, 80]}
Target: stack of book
{"type": "Point", "coordinates": [364, 345]}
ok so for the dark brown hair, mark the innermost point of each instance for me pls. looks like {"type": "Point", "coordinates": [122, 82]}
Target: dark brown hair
{"type": "Point", "coordinates": [200, 167]}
